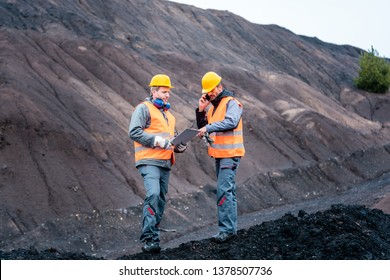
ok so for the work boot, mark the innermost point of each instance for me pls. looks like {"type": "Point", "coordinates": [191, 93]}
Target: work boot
{"type": "Point", "coordinates": [223, 237]}
{"type": "Point", "coordinates": [151, 247]}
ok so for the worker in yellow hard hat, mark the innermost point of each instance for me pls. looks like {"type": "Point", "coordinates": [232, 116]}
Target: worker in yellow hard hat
{"type": "Point", "coordinates": [152, 127]}
{"type": "Point", "coordinates": [221, 124]}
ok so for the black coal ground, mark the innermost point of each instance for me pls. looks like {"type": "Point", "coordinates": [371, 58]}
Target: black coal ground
{"type": "Point", "coordinates": [343, 232]}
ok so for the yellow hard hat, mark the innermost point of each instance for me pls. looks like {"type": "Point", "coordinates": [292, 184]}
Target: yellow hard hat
{"type": "Point", "coordinates": [160, 80]}
{"type": "Point", "coordinates": [209, 81]}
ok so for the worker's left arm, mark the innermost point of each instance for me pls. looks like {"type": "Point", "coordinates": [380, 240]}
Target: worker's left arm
{"type": "Point", "coordinates": [232, 118]}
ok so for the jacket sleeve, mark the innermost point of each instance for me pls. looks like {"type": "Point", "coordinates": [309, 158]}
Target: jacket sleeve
{"type": "Point", "coordinates": [201, 118]}
{"type": "Point", "coordinates": [140, 119]}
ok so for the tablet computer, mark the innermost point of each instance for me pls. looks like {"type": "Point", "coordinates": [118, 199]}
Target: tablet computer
{"type": "Point", "coordinates": [185, 136]}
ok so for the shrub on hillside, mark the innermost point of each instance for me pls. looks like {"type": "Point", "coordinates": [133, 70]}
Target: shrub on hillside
{"type": "Point", "coordinates": [374, 73]}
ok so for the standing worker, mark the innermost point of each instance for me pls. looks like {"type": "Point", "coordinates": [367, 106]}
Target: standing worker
{"type": "Point", "coordinates": [152, 127]}
{"type": "Point", "coordinates": [221, 125]}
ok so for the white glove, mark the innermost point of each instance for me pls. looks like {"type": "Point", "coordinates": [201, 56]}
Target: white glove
{"type": "Point", "coordinates": [180, 148]}
{"type": "Point", "coordinates": [161, 142]}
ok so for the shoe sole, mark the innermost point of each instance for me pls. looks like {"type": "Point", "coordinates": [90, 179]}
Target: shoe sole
{"type": "Point", "coordinates": [219, 241]}
{"type": "Point", "coordinates": [152, 250]}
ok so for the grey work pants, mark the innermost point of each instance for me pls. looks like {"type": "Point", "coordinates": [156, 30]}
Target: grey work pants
{"type": "Point", "coordinates": [226, 169]}
{"type": "Point", "coordinates": [156, 181]}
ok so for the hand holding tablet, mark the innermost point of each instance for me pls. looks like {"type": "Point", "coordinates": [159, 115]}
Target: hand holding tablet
{"type": "Point", "coordinates": [185, 136]}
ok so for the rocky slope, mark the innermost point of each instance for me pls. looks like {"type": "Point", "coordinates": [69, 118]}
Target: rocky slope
{"type": "Point", "coordinates": [72, 72]}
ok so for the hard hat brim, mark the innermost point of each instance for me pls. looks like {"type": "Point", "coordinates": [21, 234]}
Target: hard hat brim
{"type": "Point", "coordinates": [161, 86]}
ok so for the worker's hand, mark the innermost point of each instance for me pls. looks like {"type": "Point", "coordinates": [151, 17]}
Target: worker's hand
{"type": "Point", "coordinates": [180, 148]}
{"type": "Point", "coordinates": [201, 132]}
{"type": "Point", "coordinates": [161, 142]}
{"type": "Point", "coordinates": [203, 103]}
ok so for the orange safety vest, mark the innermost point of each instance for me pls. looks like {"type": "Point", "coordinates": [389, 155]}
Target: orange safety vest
{"type": "Point", "coordinates": [227, 143]}
{"type": "Point", "coordinates": [158, 126]}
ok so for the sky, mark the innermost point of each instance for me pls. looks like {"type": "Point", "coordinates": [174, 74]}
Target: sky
{"type": "Point", "coordinates": [360, 23]}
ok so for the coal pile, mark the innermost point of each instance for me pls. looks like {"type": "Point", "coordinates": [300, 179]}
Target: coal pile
{"type": "Point", "coordinates": [342, 232]}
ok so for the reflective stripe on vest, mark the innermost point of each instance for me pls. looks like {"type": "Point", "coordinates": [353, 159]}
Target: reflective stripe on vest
{"type": "Point", "coordinates": [229, 143]}
{"type": "Point", "coordinates": [158, 127]}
